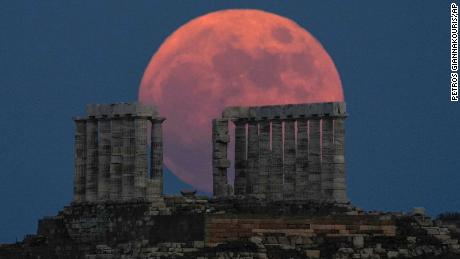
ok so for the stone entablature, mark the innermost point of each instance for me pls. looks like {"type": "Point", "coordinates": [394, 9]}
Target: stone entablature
{"type": "Point", "coordinates": [112, 156]}
{"type": "Point", "coordinates": [293, 111]}
{"type": "Point", "coordinates": [120, 109]}
{"type": "Point", "coordinates": [283, 152]}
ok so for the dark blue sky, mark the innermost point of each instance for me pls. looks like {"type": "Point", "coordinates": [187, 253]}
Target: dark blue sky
{"type": "Point", "coordinates": [402, 142]}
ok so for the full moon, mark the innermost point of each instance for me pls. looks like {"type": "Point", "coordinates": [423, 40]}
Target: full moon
{"type": "Point", "coordinates": [228, 58]}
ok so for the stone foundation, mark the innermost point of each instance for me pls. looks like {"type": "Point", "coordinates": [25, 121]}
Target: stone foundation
{"type": "Point", "coordinates": [194, 227]}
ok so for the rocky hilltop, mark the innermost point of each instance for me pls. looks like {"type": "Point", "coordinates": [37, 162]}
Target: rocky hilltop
{"type": "Point", "coordinates": [196, 227]}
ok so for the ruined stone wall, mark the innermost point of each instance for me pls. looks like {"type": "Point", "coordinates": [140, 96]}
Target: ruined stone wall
{"type": "Point", "coordinates": [194, 228]}
{"type": "Point", "coordinates": [220, 229]}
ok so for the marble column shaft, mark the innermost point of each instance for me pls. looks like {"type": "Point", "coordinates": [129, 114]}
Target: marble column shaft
{"type": "Point", "coordinates": [128, 155]}
{"type": "Point", "coordinates": [339, 192]}
{"type": "Point", "coordinates": [314, 159]}
{"type": "Point", "coordinates": [302, 171]}
{"type": "Point", "coordinates": [91, 159]}
{"type": "Point", "coordinates": [220, 163]}
{"type": "Point", "coordinates": [156, 158]}
{"type": "Point", "coordinates": [276, 173]}
{"type": "Point", "coordinates": [116, 159]}
{"type": "Point", "coordinates": [252, 158]}
{"type": "Point", "coordinates": [264, 159]}
{"type": "Point", "coordinates": [80, 160]}
{"type": "Point", "coordinates": [327, 159]}
{"type": "Point", "coordinates": [141, 156]}
{"type": "Point", "coordinates": [289, 159]}
{"type": "Point", "coordinates": [240, 157]}
{"type": "Point", "coordinates": [104, 149]}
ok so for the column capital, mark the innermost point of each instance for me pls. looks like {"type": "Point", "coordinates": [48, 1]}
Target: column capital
{"type": "Point", "coordinates": [276, 118]}
{"type": "Point", "coordinates": [77, 119]}
{"type": "Point", "coordinates": [146, 117]}
{"type": "Point", "coordinates": [222, 119]}
{"type": "Point", "coordinates": [239, 120]}
{"type": "Point", "coordinates": [157, 119]}
{"type": "Point", "coordinates": [339, 117]}
{"type": "Point", "coordinates": [314, 118]}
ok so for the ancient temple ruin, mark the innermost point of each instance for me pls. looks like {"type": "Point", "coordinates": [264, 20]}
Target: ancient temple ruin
{"type": "Point", "coordinates": [111, 153]}
{"type": "Point", "coordinates": [282, 152]}
{"type": "Point", "coordinates": [289, 198]}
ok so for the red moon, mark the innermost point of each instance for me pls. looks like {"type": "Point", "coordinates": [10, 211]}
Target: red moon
{"type": "Point", "coordinates": [228, 58]}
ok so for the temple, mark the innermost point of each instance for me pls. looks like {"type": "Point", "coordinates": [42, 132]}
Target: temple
{"type": "Point", "coordinates": [282, 152]}
{"type": "Point", "coordinates": [112, 158]}
{"type": "Point", "coordinates": [288, 199]}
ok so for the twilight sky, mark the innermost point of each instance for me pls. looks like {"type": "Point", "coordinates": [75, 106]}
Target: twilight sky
{"type": "Point", "coordinates": [402, 144]}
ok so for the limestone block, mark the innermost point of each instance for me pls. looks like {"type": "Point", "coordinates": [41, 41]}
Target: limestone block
{"type": "Point", "coordinates": [264, 113]}
{"type": "Point", "coordinates": [358, 241]}
{"type": "Point", "coordinates": [120, 109]}
{"type": "Point", "coordinates": [392, 254]}
{"type": "Point", "coordinates": [152, 187]}
{"type": "Point", "coordinates": [222, 163]}
{"type": "Point", "coordinates": [235, 112]}
{"type": "Point", "coordinates": [313, 254]}
{"type": "Point", "coordinates": [289, 111]}
{"type": "Point", "coordinates": [294, 111]}
{"type": "Point", "coordinates": [223, 138]}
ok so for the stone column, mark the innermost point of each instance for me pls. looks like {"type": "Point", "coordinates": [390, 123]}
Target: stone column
{"type": "Point", "coordinates": [301, 182]}
{"type": "Point", "coordinates": [80, 160]}
{"type": "Point", "coordinates": [327, 159]}
{"type": "Point", "coordinates": [314, 159]}
{"type": "Point", "coordinates": [339, 191]}
{"type": "Point", "coordinates": [220, 163]}
{"type": "Point", "coordinates": [128, 154]}
{"type": "Point", "coordinates": [276, 170]}
{"type": "Point", "coordinates": [91, 160]}
{"type": "Point", "coordinates": [141, 157]}
{"type": "Point", "coordinates": [116, 159]}
{"type": "Point", "coordinates": [156, 162]}
{"type": "Point", "coordinates": [104, 149]}
{"type": "Point", "coordinates": [289, 159]}
{"type": "Point", "coordinates": [253, 158]}
{"type": "Point", "coordinates": [240, 157]}
{"type": "Point", "coordinates": [264, 159]}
